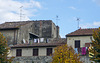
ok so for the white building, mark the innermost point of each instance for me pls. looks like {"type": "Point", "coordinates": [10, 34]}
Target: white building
{"type": "Point", "coordinates": [80, 38]}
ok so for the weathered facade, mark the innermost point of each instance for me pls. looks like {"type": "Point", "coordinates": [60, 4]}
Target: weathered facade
{"type": "Point", "coordinates": [16, 32]}
{"type": "Point", "coordinates": [37, 52]}
{"type": "Point", "coordinates": [25, 31]}
{"type": "Point", "coordinates": [46, 29]}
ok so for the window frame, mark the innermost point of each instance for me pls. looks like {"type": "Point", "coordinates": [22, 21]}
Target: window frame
{"type": "Point", "coordinates": [35, 51]}
{"type": "Point", "coordinates": [18, 52]}
{"type": "Point", "coordinates": [49, 51]}
{"type": "Point", "coordinates": [78, 42]}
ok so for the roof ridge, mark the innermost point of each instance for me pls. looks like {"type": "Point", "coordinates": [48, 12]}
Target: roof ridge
{"type": "Point", "coordinates": [82, 32]}
{"type": "Point", "coordinates": [27, 21]}
{"type": "Point", "coordinates": [89, 28]}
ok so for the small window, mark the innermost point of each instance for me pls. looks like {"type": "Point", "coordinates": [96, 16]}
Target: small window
{"type": "Point", "coordinates": [49, 51]}
{"type": "Point", "coordinates": [18, 52]}
{"type": "Point", "coordinates": [35, 52]}
{"type": "Point", "coordinates": [77, 43]}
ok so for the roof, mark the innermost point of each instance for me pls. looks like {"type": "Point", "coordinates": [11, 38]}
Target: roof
{"type": "Point", "coordinates": [16, 25]}
{"type": "Point", "coordinates": [37, 45]}
{"type": "Point", "coordinates": [13, 25]}
{"type": "Point", "coordinates": [82, 32]}
{"type": "Point", "coordinates": [62, 40]}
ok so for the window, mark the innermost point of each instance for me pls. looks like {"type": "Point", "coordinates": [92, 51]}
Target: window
{"type": "Point", "coordinates": [18, 52]}
{"type": "Point", "coordinates": [49, 51]}
{"type": "Point", "coordinates": [35, 52]}
{"type": "Point", "coordinates": [77, 43]}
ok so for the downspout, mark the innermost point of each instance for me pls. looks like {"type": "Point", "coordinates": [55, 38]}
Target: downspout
{"type": "Point", "coordinates": [17, 36]}
{"type": "Point", "coordinates": [14, 38]}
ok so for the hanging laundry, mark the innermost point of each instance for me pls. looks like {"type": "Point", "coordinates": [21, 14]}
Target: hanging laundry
{"type": "Point", "coordinates": [83, 50]}
{"type": "Point", "coordinates": [76, 51]}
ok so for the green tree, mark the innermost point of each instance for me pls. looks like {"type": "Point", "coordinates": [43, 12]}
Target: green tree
{"type": "Point", "coordinates": [95, 50]}
{"type": "Point", "coordinates": [4, 49]}
{"type": "Point", "coordinates": [65, 54]}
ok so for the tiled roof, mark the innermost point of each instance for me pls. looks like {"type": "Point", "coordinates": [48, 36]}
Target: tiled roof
{"type": "Point", "coordinates": [82, 32]}
{"type": "Point", "coordinates": [13, 24]}
{"type": "Point", "coordinates": [63, 40]}
{"type": "Point", "coordinates": [8, 25]}
{"type": "Point", "coordinates": [37, 45]}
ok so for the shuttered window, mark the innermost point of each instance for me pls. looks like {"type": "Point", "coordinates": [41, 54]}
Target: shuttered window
{"type": "Point", "coordinates": [35, 52]}
{"type": "Point", "coordinates": [49, 51]}
{"type": "Point", "coordinates": [18, 52]}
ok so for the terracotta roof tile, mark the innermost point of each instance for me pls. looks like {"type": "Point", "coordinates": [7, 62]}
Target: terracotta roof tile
{"type": "Point", "coordinates": [59, 40]}
{"type": "Point", "coordinates": [36, 45]}
{"type": "Point", "coordinates": [82, 32]}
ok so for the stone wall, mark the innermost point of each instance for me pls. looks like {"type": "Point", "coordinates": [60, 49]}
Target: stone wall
{"type": "Point", "coordinates": [85, 59]}
{"type": "Point", "coordinates": [43, 28]}
{"type": "Point", "coordinates": [43, 59]}
{"type": "Point", "coordinates": [10, 35]}
{"type": "Point", "coordinates": [33, 59]}
{"type": "Point", "coordinates": [23, 33]}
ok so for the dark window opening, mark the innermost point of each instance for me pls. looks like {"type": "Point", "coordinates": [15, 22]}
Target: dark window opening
{"type": "Point", "coordinates": [77, 43]}
{"type": "Point", "coordinates": [18, 52]}
{"type": "Point", "coordinates": [49, 51]}
{"type": "Point", "coordinates": [35, 52]}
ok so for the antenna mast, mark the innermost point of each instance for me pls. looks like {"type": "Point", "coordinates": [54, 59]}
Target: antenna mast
{"type": "Point", "coordinates": [57, 19]}
{"type": "Point", "coordinates": [78, 19]}
{"type": "Point", "coordinates": [21, 13]}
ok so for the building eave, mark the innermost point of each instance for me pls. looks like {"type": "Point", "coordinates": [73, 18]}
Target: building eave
{"type": "Point", "coordinates": [77, 35]}
{"type": "Point", "coordinates": [8, 28]}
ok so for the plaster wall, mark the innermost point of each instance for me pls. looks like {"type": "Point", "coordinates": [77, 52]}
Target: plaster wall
{"type": "Point", "coordinates": [83, 40]}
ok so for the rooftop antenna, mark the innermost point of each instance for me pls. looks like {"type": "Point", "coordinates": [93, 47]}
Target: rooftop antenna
{"type": "Point", "coordinates": [57, 19]}
{"type": "Point", "coordinates": [21, 12]}
{"type": "Point", "coordinates": [78, 19]}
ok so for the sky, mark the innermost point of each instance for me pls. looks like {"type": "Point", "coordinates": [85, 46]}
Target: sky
{"type": "Point", "coordinates": [67, 11]}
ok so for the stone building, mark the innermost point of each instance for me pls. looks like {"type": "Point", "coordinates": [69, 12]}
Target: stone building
{"type": "Point", "coordinates": [29, 31]}
{"type": "Point", "coordinates": [36, 52]}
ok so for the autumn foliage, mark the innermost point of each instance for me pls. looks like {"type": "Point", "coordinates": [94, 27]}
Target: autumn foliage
{"type": "Point", "coordinates": [65, 54]}
{"type": "Point", "coordinates": [4, 49]}
{"type": "Point", "coordinates": [95, 50]}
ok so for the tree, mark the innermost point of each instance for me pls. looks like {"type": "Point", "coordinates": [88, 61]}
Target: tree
{"type": "Point", "coordinates": [95, 50]}
{"type": "Point", "coordinates": [65, 54]}
{"type": "Point", "coordinates": [4, 49]}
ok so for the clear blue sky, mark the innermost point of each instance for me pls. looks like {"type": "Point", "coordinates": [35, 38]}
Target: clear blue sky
{"type": "Point", "coordinates": [67, 11]}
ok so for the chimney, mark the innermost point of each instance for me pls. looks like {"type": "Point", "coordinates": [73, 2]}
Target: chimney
{"type": "Point", "coordinates": [57, 32]}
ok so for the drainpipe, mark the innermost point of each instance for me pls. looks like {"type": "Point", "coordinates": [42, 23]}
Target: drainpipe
{"type": "Point", "coordinates": [14, 38]}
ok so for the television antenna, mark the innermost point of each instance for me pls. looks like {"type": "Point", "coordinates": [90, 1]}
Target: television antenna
{"type": "Point", "coordinates": [78, 19]}
{"type": "Point", "coordinates": [21, 12]}
{"type": "Point", "coordinates": [57, 19]}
